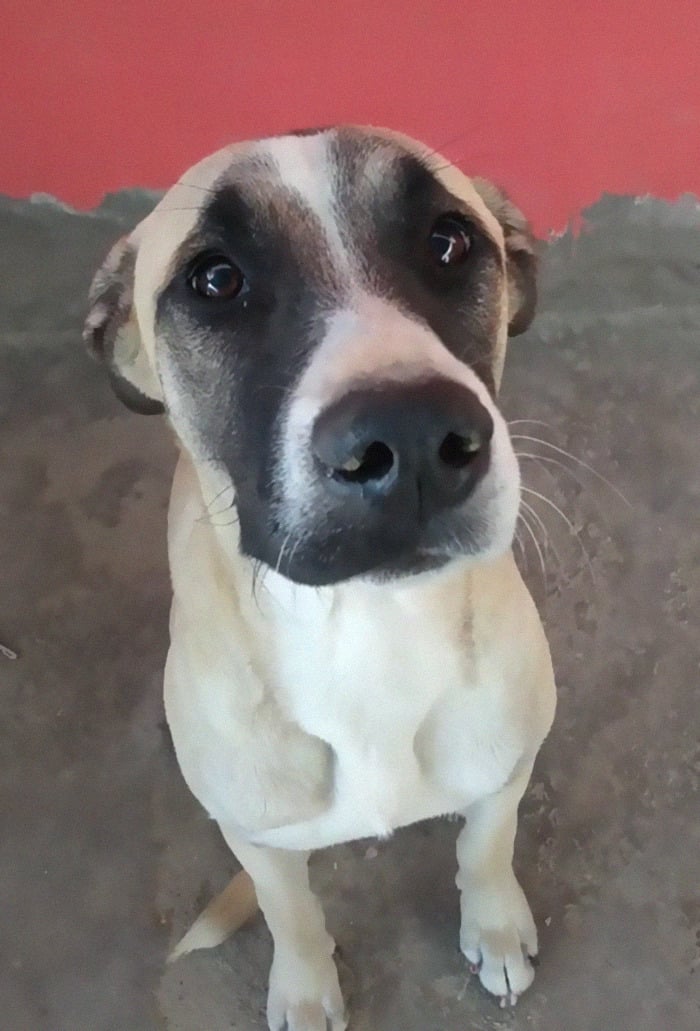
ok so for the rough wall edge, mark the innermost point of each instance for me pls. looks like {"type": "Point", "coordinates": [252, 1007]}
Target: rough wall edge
{"type": "Point", "coordinates": [124, 203]}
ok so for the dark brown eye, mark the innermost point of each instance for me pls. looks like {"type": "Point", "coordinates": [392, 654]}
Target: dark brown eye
{"type": "Point", "coordinates": [450, 241]}
{"type": "Point", "coordinates": [215, 277]}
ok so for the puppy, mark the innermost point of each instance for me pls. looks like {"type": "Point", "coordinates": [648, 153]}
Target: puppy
{"type": "Point", "coordinates": [323, 316]}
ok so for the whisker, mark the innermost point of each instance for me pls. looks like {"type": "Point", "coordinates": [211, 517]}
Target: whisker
{"type": "Point", "coordinates": [538, 549]}
{"type": "Point", "coordinates": [547, 537]}
{"type": "Point", "coordinates": [579, 461]}
{"type": "Point", "coordinates": [207, 514]}
{"type": "Point", "coordinates": [426, 156]}
{"type": "Point", "coordinates": [222, 511]}
{"type": "Point", "coordinates": [519, 542]}
{"type": "Point", "coordinates": [435, 169]}
{"type": "Point", "coordinates": [232, 522]}
{"type": "Point", "coordinates": [542, 497]}
{"type": "Point", "coordinates": [285, 542]}
{"type": "Point", "coordinates": [546, 460]}
{"type": "Point", "coordinates": [534, 422]}
{"type": "Point", "coordinates": [455, 541]}
{"type": "Point", "coordinates": [165, 211]}
{"type": "Point", "coordinates": [195, 186]}
{"type": "Point", "coordinates": [293, 552]}
{"type": "Point", "coordinates": [257, 580]}
{"type": "Point", "coordinates": [457, 544]}
{"type": "Point", "coordinates": [569, 524]}
{"type": "Point", "coordinates": [227, 508]}
{"type": "Point", "coordinates": [453, 139]}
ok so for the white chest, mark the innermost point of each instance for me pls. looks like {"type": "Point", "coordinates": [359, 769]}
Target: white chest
{"type": "Point", "coordinates": [427, 695]}
{"type": "Point", "coordinates": [415, 730]}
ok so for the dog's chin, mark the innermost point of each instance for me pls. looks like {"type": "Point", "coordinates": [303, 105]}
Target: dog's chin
{"type": "Point", "coordinates": [314, 565]}
{"type": "Point", "coordinates": [422, 561]}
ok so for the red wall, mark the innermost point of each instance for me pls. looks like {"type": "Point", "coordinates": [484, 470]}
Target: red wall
{"type": "Point", "coordinates": [558, 100]}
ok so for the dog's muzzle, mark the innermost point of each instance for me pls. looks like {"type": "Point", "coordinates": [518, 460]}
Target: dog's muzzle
{"type": "Point", "coordinates": [402, 453]}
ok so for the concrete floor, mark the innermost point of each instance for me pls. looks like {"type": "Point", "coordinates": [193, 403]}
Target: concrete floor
{"type": "Point", "coordinates": [104, 856]}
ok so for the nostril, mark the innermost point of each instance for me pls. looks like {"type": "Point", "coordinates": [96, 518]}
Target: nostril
{"type": "Point", "coordinates": [373, 464]}
{"type": "Point", "coordinates": [458, 451]}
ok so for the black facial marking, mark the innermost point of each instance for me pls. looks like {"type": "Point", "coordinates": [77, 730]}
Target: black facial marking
{"type": "Point", "coordinates": [237, 359]}
{"type": "Point", "coordinates": [391, 226]}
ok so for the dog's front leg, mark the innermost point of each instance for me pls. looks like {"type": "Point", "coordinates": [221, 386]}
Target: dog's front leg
{"type": "Point", "coordinates": [498, 933]}
{"type": "Point", "coordinates": [304, 993]}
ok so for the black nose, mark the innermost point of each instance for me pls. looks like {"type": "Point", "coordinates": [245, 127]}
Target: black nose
{"type": "Point", "coordinates": [424, 443]}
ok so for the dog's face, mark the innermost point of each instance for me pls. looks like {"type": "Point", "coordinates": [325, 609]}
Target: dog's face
{"type": "Point", "coordinates": [323, 316]}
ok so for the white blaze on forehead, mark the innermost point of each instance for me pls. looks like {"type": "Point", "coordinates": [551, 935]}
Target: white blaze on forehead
{"type": "Point", "coordinates": [305, 166]}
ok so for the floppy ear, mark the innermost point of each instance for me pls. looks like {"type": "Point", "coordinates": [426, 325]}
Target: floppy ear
{"type": "Point", "coordinates": [112, 333]}
{"type": "Point", "coordinates": [521, 260]}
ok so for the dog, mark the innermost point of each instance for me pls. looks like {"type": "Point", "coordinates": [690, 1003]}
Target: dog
{"type": "Point", "coordinates": [323, 317]}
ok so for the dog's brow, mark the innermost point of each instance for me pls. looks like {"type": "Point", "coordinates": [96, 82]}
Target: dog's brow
{"type": "Point", "coordinates": [238, 215]}
{"type": "Point", "coordinates": [262, 226]}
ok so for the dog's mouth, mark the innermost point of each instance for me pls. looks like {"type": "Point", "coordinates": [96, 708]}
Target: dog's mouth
{"type": "Point", "coordinates": [378, 554]}
{"type": "Point", "coordinates": [355, 535]}
{"type": "Point", "coordinates": [312, 572]}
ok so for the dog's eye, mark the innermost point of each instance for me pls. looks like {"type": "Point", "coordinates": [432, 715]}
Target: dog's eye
{"type": "Point", "coordinates": [215, 277]}
{"type": "Point", "coordinates": [450, 240]}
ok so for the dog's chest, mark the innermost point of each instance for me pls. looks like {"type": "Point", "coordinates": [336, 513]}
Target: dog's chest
{"type": "Point", "coordinates": [398, 694]}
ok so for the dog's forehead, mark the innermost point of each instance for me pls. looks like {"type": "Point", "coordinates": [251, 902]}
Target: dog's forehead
{"type": "Point", "coordinates": [311, 166]}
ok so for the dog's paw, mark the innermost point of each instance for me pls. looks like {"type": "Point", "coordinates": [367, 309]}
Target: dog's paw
{"type": "Point", "coordinates": [498, 936]}
{"type": "Point", "coordinates": [305, 995]}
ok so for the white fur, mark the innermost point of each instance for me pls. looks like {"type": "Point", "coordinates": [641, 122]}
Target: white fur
{"type": "Point", "coordinates": [302, 165]}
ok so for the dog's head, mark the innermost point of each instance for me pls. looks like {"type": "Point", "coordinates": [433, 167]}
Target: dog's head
{"type": "Point", "coordinates": [323, 316]}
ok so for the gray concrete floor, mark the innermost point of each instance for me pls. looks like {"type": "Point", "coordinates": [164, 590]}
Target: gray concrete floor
{"type": "Point", "coordinates": [104, 856]}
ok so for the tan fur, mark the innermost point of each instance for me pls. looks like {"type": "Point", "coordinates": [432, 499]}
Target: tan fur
{"type": "Point", "coordinates": [304, 717]}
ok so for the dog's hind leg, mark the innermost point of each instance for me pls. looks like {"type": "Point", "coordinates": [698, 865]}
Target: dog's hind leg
{"type": "Point", "coordinates": [498, 933]}
{"type": "Point", "coordinates": [304, 992]}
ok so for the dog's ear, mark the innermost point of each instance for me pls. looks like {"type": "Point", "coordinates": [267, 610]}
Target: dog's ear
{"type": "Point", "coordinates": [521, 259]}
{"type": "Point", "coordinates": [112, 332]}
